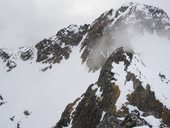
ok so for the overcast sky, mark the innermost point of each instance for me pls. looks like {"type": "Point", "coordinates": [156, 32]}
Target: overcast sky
{"type": "Point", "coordinates": [25, 22]}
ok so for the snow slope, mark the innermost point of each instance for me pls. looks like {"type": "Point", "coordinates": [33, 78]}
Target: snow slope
{"type": "Point", "coordinates": [43, 94]}
{"type": "Point", "coordinates": [154, 51]}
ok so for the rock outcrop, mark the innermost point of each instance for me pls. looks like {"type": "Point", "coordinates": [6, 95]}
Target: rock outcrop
{"type": "Point", "coordinates": [54, 49]}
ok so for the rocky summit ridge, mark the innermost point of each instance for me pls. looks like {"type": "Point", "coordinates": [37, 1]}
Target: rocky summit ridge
{"type": "Point", "coordinates": [122, 96]}
{"type": "Point", "coordinates": [97, 107]}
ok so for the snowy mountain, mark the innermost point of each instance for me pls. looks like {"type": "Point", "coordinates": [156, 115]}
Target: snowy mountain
{"type": "Point", "coordinates": [113, 73]}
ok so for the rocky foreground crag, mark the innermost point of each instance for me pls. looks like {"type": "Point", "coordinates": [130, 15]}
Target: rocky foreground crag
{"type": "Point", "coordinates": [96, 108]}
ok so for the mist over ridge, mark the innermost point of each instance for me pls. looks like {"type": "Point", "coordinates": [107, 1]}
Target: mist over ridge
{"type": "Point", "coordinates": [130, 23]}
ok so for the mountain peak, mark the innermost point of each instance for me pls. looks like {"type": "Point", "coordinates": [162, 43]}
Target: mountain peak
{"type": "Point", "coordinates": [145, 11]}
{"type": "Point", "coordinates": [121, 60]}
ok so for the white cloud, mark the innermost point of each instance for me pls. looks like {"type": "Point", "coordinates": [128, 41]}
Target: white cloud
{"type": "Point", "coordinates": [25, 22]}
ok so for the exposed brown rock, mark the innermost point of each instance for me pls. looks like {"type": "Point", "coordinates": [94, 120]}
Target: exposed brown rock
{"type": "Point", "coordinates": [94, 33]}
{"type": "Point", "coordinates": [145, 100]}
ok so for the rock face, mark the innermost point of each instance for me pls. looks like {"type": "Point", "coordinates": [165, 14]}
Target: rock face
{"type": "Point", "coordinates": [6, 57]}
{"type": "Point", "coordinates": [95, 32]}
{"type": "Point", "coordinates": [10, 57]}
{"type": "Point", "coordinates": [131, 120]}
{"type": "Point", "coordinates": [26, 54]}
{"type": "Point", "coordinates": [2, 102]}
{"type": "Point", "coordinates": [54, 49]}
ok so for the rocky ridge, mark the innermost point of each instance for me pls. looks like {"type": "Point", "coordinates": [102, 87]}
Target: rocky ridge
{"type": "Point", "coordinates": [49, 51]}
{"type": "Point", "coordinates": [98, 106]}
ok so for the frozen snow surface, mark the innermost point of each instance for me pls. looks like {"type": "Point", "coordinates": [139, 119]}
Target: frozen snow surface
{"type": "Point", "coordinates": [43, 94]}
